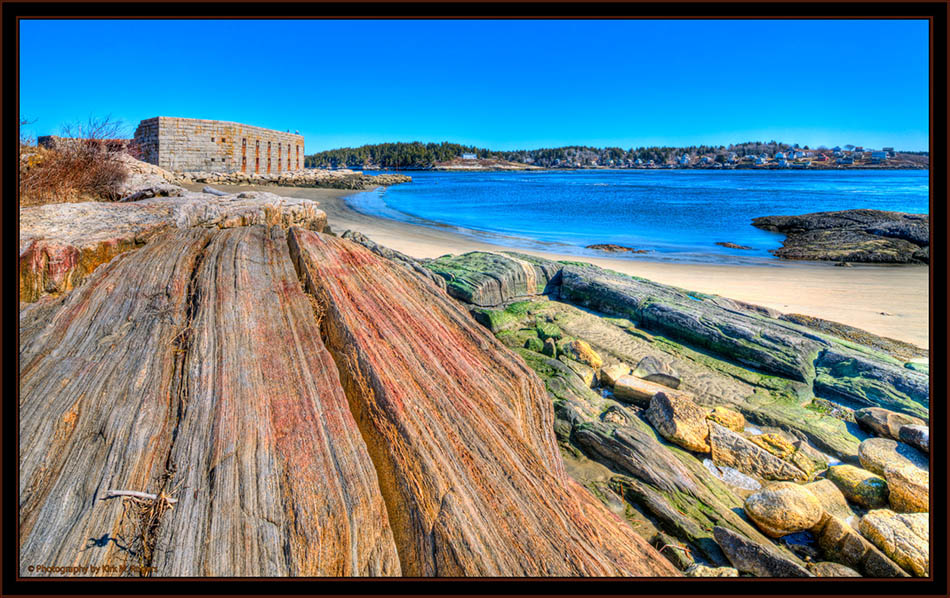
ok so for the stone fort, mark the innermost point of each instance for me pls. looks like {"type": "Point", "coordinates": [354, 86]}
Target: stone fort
{"type": "Point", "coordinates": [191, 144]}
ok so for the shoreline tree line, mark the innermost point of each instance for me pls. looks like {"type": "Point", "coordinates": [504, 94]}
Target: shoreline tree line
{"type": "Point", "coordinates": [416, 154]}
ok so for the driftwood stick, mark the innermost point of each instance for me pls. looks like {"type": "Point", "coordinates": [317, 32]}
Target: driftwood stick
{"type": "Point", "coordinates": [137, 494]}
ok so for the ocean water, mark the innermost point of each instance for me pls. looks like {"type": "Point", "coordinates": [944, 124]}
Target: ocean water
{"type": "Point", "coordinates": [676, 215]}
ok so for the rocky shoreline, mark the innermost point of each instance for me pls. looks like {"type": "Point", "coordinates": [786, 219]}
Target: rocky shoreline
{"type": "Point", "coordinates": [682, 405]}
{"type": "Point", "coordinates": [330, 179]}
{"type": "Point", "coordinates": [861, 236]}
{"type": "Point", "coordinates": [313, 405]}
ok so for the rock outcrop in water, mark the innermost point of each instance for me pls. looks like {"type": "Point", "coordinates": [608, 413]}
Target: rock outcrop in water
{"type": "Point", "coordinates": [872, 236]}
{"type": "Point", "coordinates": [258, 401]}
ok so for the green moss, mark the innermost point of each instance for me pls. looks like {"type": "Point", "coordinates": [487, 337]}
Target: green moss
{"type": "Point", "coordinates": [521, 308]}
{"type": "Point", "coordinates": [495, 319]}
{"type": "Point", "coordinates": [534, 344]}
{"type": "Point", "coordinates": [548, 330]}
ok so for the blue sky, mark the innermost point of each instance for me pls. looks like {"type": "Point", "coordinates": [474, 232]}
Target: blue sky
{"type": "Point", "coordinates": [497, 84]}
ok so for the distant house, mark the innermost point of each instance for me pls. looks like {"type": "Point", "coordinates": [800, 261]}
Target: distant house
{"type": "Point", "coordinates": [705, 160]}
{"type": "Point", "coordinates": [782, 162]}
{"type": "Point", "coordinates": [759, 161]}
{"type": "Point", "coordinates": [469, 157]}
{"type": "Point", "coordinates": [780, 156]}
{"type": "Point", "coordinates": [836, 149]}
{"type": "Point", "coordinates": [638, 161]}
{"type": "Point", "coordinates": [844, 161]}
{"type": "Point", "coordinates": [684, 160]}
{"type": "Point", "coordinates": [878, 157]}
{"type": "Point", "coordinates": [822, 158]}
{"type": "Point", "coordinates": [798, 155]}
{"type": "Point", "coordinates": [732, 158]}
{"type": "Point", "coordinates": [890, 151]}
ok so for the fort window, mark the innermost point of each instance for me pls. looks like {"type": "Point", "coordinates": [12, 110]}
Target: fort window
{"type": "Point", "coordinates": [212, 139]}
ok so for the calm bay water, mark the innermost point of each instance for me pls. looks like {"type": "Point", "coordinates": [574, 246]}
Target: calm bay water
{"type": "Point", "coordinates": [675, 214]}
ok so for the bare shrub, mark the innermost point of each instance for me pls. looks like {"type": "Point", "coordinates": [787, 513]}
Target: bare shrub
{"type": "Point", "coordinates": [81, 165]}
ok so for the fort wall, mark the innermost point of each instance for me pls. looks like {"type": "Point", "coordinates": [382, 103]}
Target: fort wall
{"type": "Point", "coordinates": [189, 145]}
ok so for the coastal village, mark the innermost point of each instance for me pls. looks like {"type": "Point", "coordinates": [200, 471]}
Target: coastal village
{"type": "Point", "coordinates": [213, 382]}
{"type": "Point", "coordinates": [792, 158]}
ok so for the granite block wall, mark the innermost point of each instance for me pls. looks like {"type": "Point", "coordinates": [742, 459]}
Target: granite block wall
{"type": "Point", "coordinates": [189, 145]}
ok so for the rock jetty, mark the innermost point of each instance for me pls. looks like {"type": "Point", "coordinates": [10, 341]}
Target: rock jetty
{"type": "Point", "coordinates": [332, 179]}
{"type": "Point", "coordinates": [863, 236]}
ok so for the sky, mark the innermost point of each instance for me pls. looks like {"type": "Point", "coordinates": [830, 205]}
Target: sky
{"type": "Point", "coordinates": [503, 85]}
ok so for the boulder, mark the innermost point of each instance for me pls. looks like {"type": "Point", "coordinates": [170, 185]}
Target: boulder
{"type": "Point", "coordinates": [609, 374]}
{"type": "Point", "coordinates": [859, 486]}
{"type": "Point", "coordinates": [680, 421]}
{"type": "Point", "coordinates": [909, 489]}
{"type": "Point", "coordinates": [535, 344]}
{"type": "Point", "coordinates": [916, 436]}
{"type": "Point", "coordinates": [697, 570]}
{"type": "Point", "coordinates": [793, 452]}
{"type": "Point", "coordinates": [783, 508]}
{"type": "Point", "coordinates": [489, 279]}
{"type": "Point", "coordinates": [461, 431]}
{"type": "Point", "coordinates": [582, 352]}
{"type": "Point", "coordinates": [667, 483]}
{"type": "Point", "coordinates": [904, 537]}
{"type": "Point", "coordinates": [752, 557]}
{"type": "Point", "coordinates": [652, 369]}
{"type": "Point", "coordinates": [549, 348]}
{"type": "Point", "coordinates": [584, 371]}
{"type": "Point", "coordinates": [877, 454]}
{"type": "Point", "coordinates": [733, 450]}
{"type": "Point", "coordinates": [729, 418]}
{"type": "Point", "coordinates": [884, 422]}
{"type": "Point", "coordinates": [549, 330]}
{"type": "Point", "coordinates": [638, 391]}
{"type": "Point", "coordinates": [829, 569]}
{"type": "Point", "coordinates": [831, 499]}
{"type": "Point", "coordinates": [843, 544]}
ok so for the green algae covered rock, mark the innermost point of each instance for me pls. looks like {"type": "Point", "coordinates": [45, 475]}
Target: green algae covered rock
{"type": "Point", "coordinates": [859, 485]}
{"type": "Point", "coordinates": [490, 279]}
{"type": "Point", "coordinates": [847, 375]}
{"type": "Point", "coordinates": [534, 344]}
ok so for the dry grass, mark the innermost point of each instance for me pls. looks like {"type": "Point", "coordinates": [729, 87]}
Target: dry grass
{"type": "Point", "coordinates": [85, 167]}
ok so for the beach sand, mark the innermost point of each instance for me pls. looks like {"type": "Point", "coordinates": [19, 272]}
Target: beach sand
{"type": "Point", "coordinates": [891, 301]}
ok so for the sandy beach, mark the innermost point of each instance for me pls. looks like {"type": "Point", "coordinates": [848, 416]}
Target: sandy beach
{"type": "Point", "coordinates": [891, 301]}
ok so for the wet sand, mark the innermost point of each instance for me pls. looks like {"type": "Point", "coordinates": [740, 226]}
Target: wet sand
{"type": "Point", "coordinates": [891, 301]}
